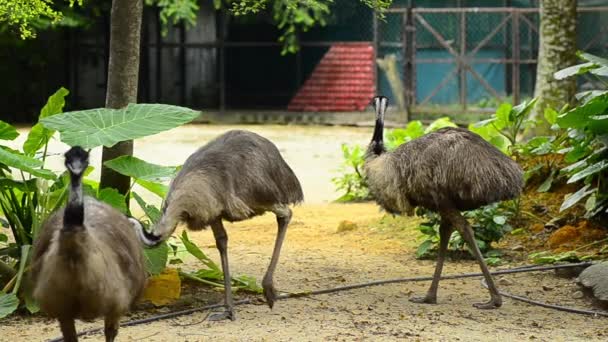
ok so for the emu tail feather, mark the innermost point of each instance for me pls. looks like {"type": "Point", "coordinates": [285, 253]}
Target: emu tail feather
{"type": "Point", "coordinates": [76, 161]}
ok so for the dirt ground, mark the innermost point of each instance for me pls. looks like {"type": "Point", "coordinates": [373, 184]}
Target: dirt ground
{"type": "Point", "coordinates": [316, 256]}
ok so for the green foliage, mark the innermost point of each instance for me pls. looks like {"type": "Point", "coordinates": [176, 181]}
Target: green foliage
{"type": "Point", "coordinates": [290, 16]}
{"type": "Point", "coordinates": [585, 140]}
{"type": "Point", "coordinates": [39, 136]}
{"type": "Point", "coordinates": [212, 274]}
{"type": "Point", "coordinates": [490, 224]}
{"type": "Point", "coordinates": [504, 127]}
{"type": "Point", "coordinates": [352, 181]}
{"type": "Point", "coordinates": [105, 126]}
{"type": "Point", "coordinates": [29, 192]}
{"type": "Point", "coordinates": [25, 14]}
{"type": "Point", "coordinates": [413, 130]}
{"type": "Point", "coordinates": [140, 169]}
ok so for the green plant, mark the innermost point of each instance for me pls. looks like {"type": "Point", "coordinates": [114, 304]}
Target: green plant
{"type": "Point", "coordinates": [489, 223]}
{"type": "Point", "coordinates": [505, 126]}
{"type": "Point", "coordinates": [586, 142]}
{"type": "Point", "coordinates": [352, 181]}
{"type": "Point", "coordinates": [29, 192]}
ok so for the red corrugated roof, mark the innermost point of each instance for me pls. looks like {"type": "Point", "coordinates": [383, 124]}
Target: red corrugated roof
{"type": "Point", "coordinates": [342, 81]}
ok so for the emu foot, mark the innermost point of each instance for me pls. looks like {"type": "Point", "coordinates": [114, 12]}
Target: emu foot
{"type": "Point", "coordinates": [220, 316]}
{"type": "Point", "coordinates": [494, 303]}
{"type": "Point", "coordinates": [424, 300]}
{"type": "Point", "coordinates": [270, 293]}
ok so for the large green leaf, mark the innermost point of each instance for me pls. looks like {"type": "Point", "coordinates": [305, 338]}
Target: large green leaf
{"type": "Point", "coordinates": [197, 252]}
{"type": "Point", "coordinates": [156, 258]}
{"type": "Point", "coordinates": [574, 198]}
{"type": "Point", "coordinates": [25, 163]}
{"type": "Point", "coordinates": [7, 132]}
{"type": "Point", "coordinates": [593, 59]}
{"type": "Point", "coordinates": [522, 109]}
{"type": "Point", "coordinates": [440, 123]}
{"type": "Point", "coordinates": [139, 169]}
{"type": "Point", "coordinates": [580, 117]}
{"type": "Point", "coordinates": [158, 189]}
{"type": "Point", "coordinates": [151, 211]}
{"type": "Point", "coordinates": [502, 116]}
{"type": "Point", "coordinates": [574, 70]}
{"type": "Point", "coordinates": [39, 135]}
{"type": "Point", "coordinates": [113, 198]}
{"type": "Point", "coordinates": [104, 126]}
{"type": "Point", "coordinates": [8, 304]}
{"type": "Point", "coordinates": [588, 171]}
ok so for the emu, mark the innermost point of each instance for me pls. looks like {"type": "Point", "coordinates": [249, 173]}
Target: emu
{"type": "Point", "coordinates": [236, 176]}
{"type": "Point", "coordinates": [87, 261]}
{"type": "Point", "coordinates": [446, 171]}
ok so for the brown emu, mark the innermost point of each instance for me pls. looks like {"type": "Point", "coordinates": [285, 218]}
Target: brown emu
{"type": "Point", "coordinates": [446, 171]}
{"type": "Point", "coordinates": [234, 177]}
{"type": "Point", "coordinates": [87, 260]}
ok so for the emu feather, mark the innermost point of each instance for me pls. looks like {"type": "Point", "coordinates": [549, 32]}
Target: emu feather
{"type": "Point", "coordinates": [447, 171]}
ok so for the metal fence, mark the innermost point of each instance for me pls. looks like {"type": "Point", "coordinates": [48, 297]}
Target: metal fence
{"type": "Point", "coordinates": [460, 59]}
{"type": "Point", "coordinates": [469, 59]}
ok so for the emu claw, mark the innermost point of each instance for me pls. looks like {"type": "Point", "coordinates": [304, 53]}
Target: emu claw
{"type": "Point", "coordinates": [270, 293]}
{"type": "Point", "coordinates": [220, 316]}
{"type": "Point", "coordinates": [424, 300]}
{"type": "Point", "coordinates": [494, 303]}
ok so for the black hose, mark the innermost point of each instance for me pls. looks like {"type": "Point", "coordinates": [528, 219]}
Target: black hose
{"type": "Point", "coordinates": [520, 269]}
{"type": "Point", "coordinates": [549, 306]}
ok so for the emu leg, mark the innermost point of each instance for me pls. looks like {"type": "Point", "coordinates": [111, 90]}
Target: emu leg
{"type": "Point", "coordinates": [445, 231]}
{"type": "Point", "coordinates": [283, 218]}
{"type": "Point", "coordinates": [68, 330]}
{"type": "Point", "coordinates": [110, 328]}
{"type": "Point", "coordinates": [221, 241]}
{"type": "Point", "coordinates": [469, 236]}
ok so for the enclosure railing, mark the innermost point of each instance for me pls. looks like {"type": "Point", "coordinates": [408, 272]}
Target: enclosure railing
{"type": "Point", "coordinates": [515, 30]}
{"type": "Point", "coordinates": [461, 46]}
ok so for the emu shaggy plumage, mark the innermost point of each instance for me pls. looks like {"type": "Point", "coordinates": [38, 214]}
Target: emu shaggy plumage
{"type": "Point", "coordinates": [236, 176]}
{"type": "Point", "coordinates": [87, 261]}
{"type": "Point", "coordinates": [446, 171]}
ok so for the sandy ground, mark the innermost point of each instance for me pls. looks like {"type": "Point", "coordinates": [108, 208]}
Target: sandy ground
{"type": "Point", "coordinates": [316, 256]}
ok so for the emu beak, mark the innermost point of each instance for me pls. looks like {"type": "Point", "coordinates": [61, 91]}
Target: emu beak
{"type": "Point", "coordinates": [149, 239]}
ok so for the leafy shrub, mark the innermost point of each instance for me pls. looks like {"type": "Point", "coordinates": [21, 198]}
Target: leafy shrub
{"type": "Point", "coordinates": [29, 192]}
{"type": "Point", "coordinates": [352, 181]}
{"type": "Point", "coordinates": [586, 139]}
{"type": "Point", "coordinates": [489, 223]}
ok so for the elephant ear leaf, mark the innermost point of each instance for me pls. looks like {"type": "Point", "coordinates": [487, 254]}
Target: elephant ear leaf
{"type": "Point", "coordinates": [39, 135]}
{"type": "Point", "coordinates": [107, 127]}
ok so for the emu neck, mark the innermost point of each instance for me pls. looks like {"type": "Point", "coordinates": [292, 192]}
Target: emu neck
{"type": "Point", "coordinates": [73, 216]}
{"type": "Point", "coordinates": [377, 144]}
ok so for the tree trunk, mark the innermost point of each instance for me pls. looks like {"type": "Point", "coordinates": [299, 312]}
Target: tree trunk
{"type": "Point", "coordinates": [557, 50]}
{"type": "Point", "coordinates": [123, 76]}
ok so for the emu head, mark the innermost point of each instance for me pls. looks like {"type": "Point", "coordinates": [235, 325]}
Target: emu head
{"type": "Point", "coordinates": [376, 146]}
{"type": "Point", "coordinates": [149, 239]}
{"type": "Point", "coordinates": [380, 104]}
{"type": "Point", "coordinates": [76, 160]}
{"type": "Point", "coordinates": [158, 233]}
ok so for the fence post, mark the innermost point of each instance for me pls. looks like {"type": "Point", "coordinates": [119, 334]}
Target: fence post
{"type": "Point", "coordinates": [462, 72]}
{"type": "Point", "coordinates": [222, 62]}
{"type": "Point", "coordinates": [515, 57]}
{"type": "Point", "coordinates": [409, 55]}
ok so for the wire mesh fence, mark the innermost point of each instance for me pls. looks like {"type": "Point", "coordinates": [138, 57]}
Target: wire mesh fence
{"type": "Point", "coordinates": [435, 57]}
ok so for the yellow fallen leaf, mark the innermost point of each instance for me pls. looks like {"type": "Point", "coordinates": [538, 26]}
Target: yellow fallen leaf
{"type": "Point", "coordinates": [164, 288]}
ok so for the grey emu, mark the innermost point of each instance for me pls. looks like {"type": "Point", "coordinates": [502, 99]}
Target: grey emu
{"type": "Point", "coordinates": [87, 260]}
{"type": "Point", "coordinates": [446, 171]}
{"type": "Point", "coordinates": [234, 177]}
